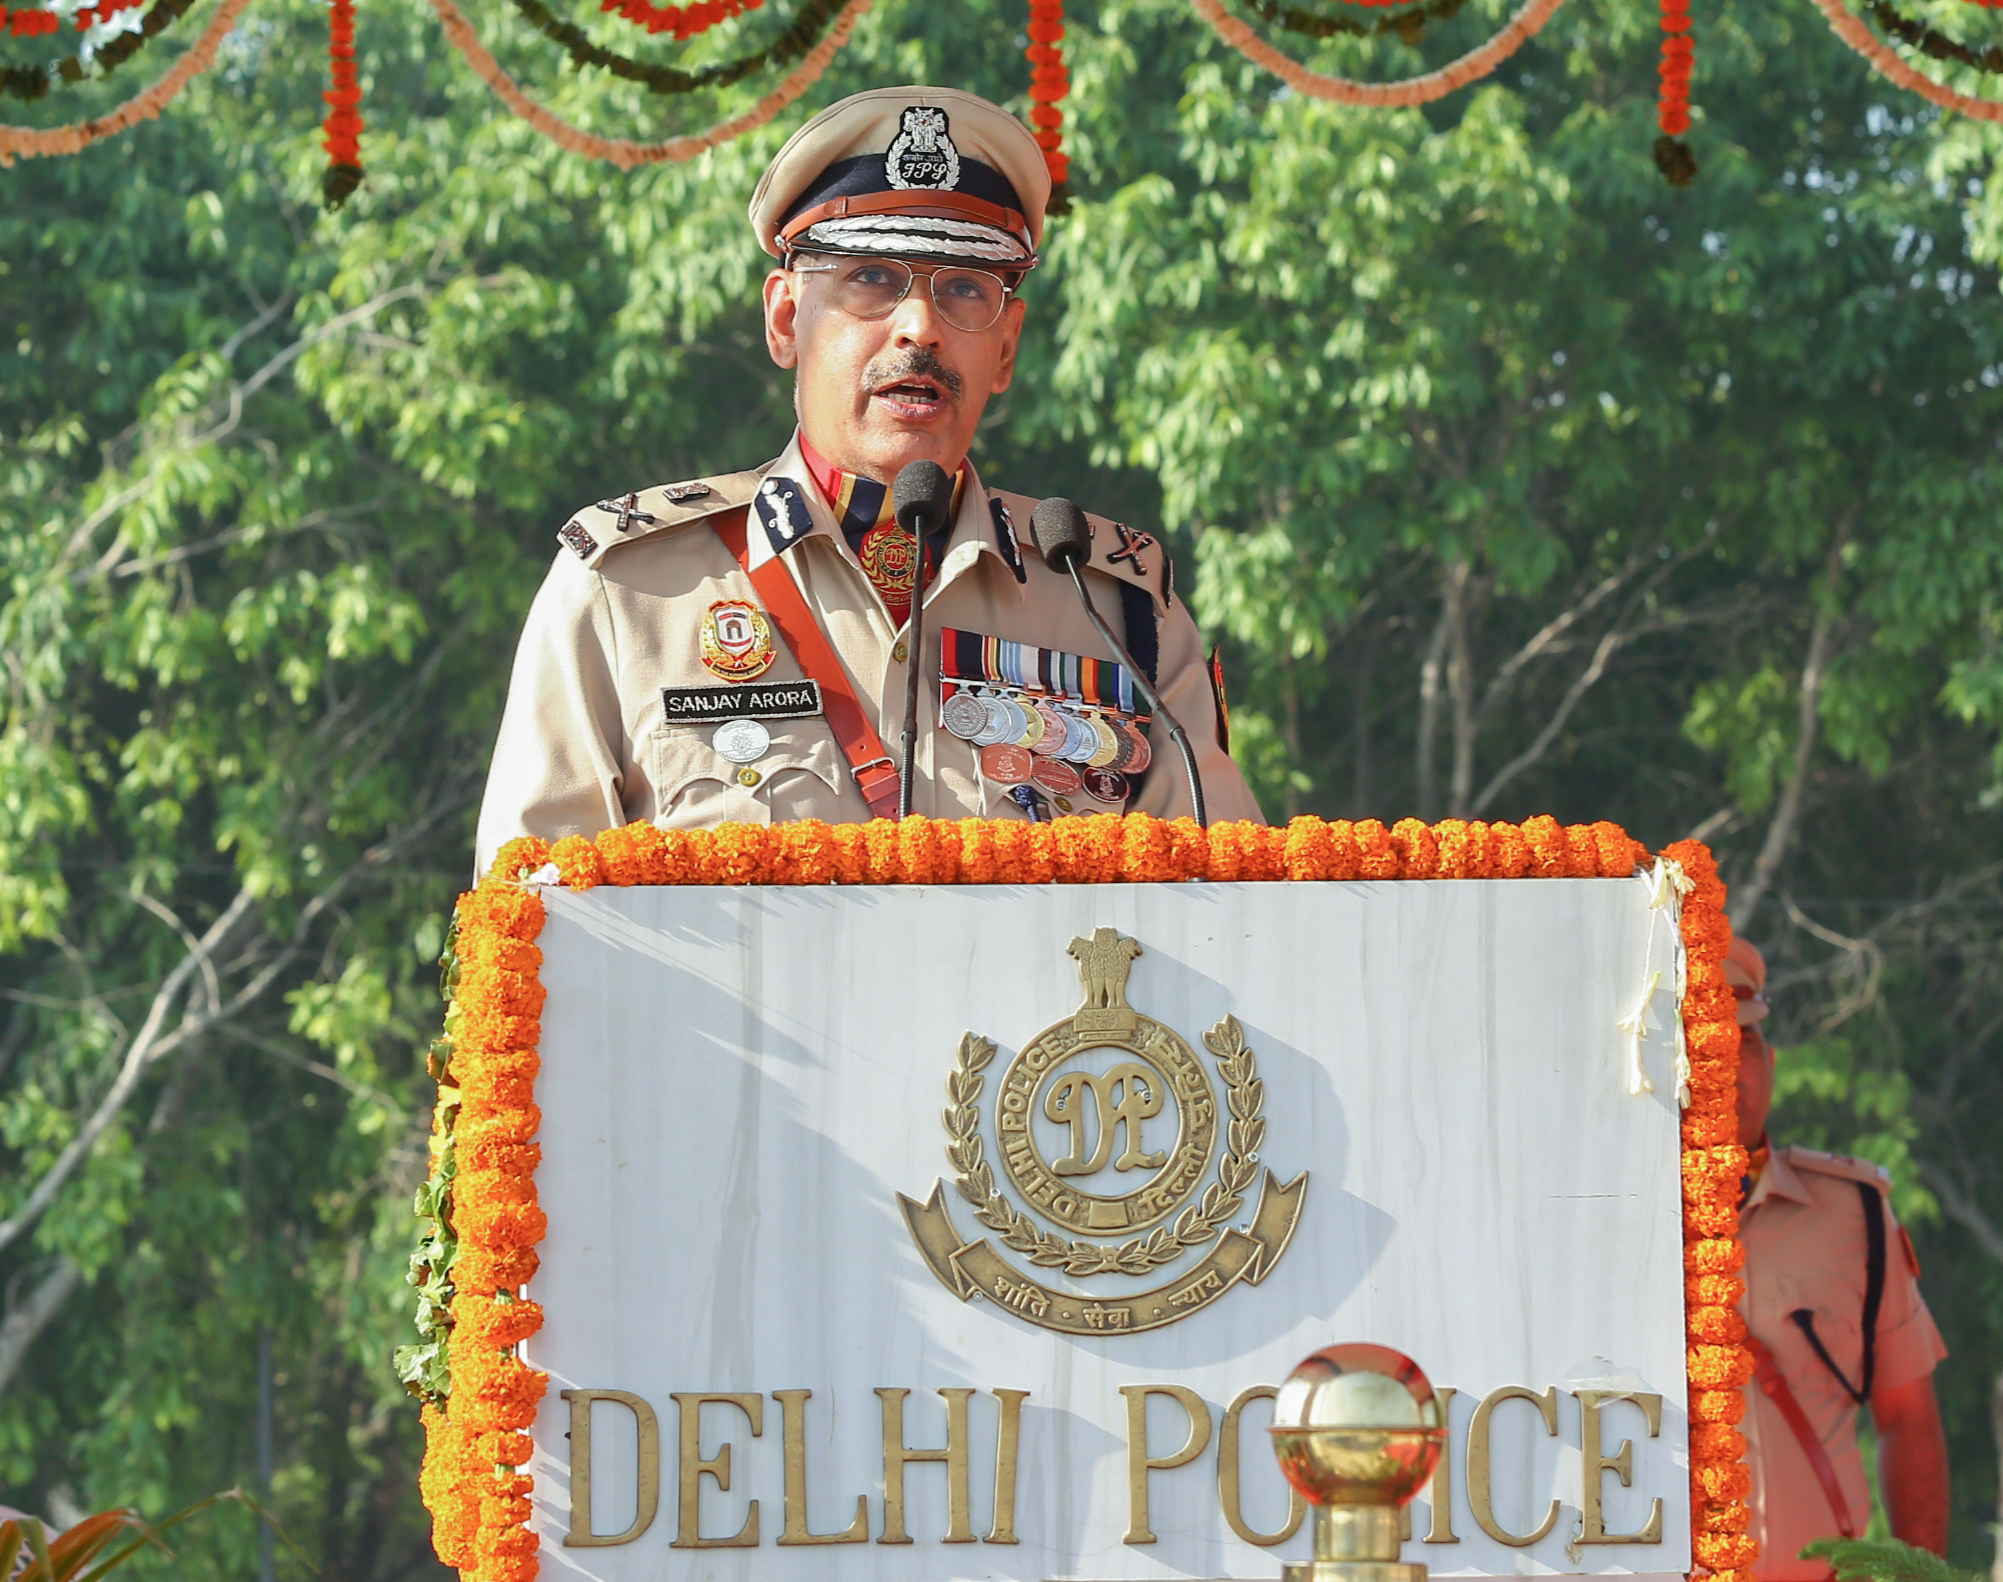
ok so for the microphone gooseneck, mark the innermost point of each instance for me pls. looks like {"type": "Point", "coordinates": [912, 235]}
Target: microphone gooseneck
{"type": "Point", "coordinates": [1064, 540]}
{"type": "Point", "coordinates": [922, 498]}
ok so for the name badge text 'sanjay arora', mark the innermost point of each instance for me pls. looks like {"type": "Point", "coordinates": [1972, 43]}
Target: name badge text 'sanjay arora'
{"type": "Point", "coordinates": [741, 647]}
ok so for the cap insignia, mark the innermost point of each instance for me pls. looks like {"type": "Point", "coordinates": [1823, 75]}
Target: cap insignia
{"type": "Point", "coordinates": [922, 155]}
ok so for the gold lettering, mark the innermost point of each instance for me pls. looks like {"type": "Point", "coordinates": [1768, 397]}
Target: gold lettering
{"type": "Point", "coordinates": [1228, 1474]}
{"type": "Point", "coordinates": [1140, 1463]}
{"type": "Point", "coordinates": [1008, 1450]}
{"type": "Point", "coordinates": [897, 1454]}
{"type": "Point", "coordinates": [1595, 1465]}
{"type": "Point", "coordinates": [1107, 1317]}
{"type": "Point", "coordinates": [1122, 1097]}
{"type": "Point", "coordinates": [793, 1439]}
{"type": "Point", "coordinates": [690, 1405]}
{"type": "Point", "coordinates": [1480, 1498]}
{"type": "Point", "coordinates": [1441, 1492]}
{"type": "Point", "coordinates": [648, 1502]}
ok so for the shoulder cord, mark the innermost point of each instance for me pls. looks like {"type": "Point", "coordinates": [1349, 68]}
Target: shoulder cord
{"type": "Point", "coordinates": [1874, 1295]}
{"type": "Point", "coordinates": [875, 775]}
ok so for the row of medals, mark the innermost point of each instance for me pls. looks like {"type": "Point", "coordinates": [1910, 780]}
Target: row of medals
{"type": "Point", "coordinates": [1059, 747]}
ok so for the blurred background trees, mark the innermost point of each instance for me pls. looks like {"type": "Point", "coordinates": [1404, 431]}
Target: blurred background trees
{"type": "Point", "coordinates": [1510, 480]}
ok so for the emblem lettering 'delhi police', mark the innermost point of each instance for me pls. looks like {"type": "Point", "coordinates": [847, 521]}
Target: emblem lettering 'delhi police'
{"type": "Point", "coordinates": [1106, 1128]}
{"type": "Point", "coordinates": [922, 154]}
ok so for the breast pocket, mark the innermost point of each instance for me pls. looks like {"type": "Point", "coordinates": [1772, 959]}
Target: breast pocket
{"type": "Point", "coordinates": [798, 776]}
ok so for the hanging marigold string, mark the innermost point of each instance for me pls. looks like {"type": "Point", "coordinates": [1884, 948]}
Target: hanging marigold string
{"type": "Point", "coordinates": [618, 151]}
{"type": "Point", "coordinates": [684, 22]}
{"type": "Point", "coordinates": [1409, 23]}
{"type": "Point", "coordinates": [343, 126]}
{"type": "Point", "coordinates": [789, 45]}
{"type": "Point", "coordinates": [20, 142]}
{"type": "Point", "coordinates": [29, 21]}
{"type": "Point", "coordinates": [1422, 89]}
{"type": "Point", "coordinates": [1049, 83]}
{"type": "Point", "coordinates": [1672, 155]}
{"type": "Point", "coordinates": [1938, 46]}
{"type": "Point", "coordinates": [32, 82]}
{"type": "Point", "coordinates": [1887, 64]}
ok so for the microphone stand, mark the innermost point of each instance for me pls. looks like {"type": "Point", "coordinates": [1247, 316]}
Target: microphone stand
{"type": "Point", "coordinates": [1147, 691]}
{"type": "Point", "coordinates": [914, 654]}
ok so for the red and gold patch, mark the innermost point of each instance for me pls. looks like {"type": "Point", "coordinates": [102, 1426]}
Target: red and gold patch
{"type": "Point", "coordinates": [736, 640]}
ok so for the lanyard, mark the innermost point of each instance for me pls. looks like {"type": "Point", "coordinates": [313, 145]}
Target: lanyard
{"type": "Point", "coordinates": [875, 775]}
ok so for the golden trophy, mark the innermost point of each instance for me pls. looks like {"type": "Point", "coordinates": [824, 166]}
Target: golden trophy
{"type": "Point", "coordinates": [1357, 1430]}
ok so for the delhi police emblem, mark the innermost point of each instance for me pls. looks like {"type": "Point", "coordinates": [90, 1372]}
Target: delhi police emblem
{"type": "Point", "coordinates": [1106, 1129]}
{"type": "Point", "coordinates": [922, 154]}
{"type": "Point", "coordinates": [736, 640]}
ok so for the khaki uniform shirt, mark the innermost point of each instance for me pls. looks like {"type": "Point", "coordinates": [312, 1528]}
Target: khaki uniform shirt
{"type": "Point", "coordinates": [1804, 1232]}
{"type": "Point", "coordinates": [585, 744]}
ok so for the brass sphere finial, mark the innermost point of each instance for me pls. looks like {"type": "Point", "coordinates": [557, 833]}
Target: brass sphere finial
{"type": "Point", "coordinates": [1358, 1430]}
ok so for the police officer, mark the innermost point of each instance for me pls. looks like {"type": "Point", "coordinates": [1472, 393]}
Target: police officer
{"type": "Point", "coordinates": [1837, 1323]}
{"type": "Point", "coordinates": [732, 648]}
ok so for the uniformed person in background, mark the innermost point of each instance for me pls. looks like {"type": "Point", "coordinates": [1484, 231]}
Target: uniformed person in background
{"type": "Point", "coordinates": [1838, 1323]}
{"type": "Point", "coordinates": [732, 648]}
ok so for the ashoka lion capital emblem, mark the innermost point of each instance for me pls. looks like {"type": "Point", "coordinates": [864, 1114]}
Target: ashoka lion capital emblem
{"type": "Point", "coordinates": [1106, 1126]}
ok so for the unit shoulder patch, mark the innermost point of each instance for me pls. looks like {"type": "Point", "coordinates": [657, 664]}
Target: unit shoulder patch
{"type": "Point", "coordinates": [608, 524]}
{"type": "Point", "coordinates": [1817, 1162]}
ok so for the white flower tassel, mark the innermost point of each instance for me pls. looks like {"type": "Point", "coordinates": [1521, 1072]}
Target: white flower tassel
{"type": "Point", "coordinates": [1667, 885]}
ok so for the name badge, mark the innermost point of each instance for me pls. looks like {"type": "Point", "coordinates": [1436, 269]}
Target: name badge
{"type": "Point", "coordinates": [772, 700]}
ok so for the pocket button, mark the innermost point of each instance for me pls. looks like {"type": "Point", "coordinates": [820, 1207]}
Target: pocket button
{"type": "Point", "coordinates": [748, 777]}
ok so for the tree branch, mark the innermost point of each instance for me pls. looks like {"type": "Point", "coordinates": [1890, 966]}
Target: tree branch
{"type": "Point", "coordinates": [27, 1321]}
{"type": "Point", "coordinates": [1987, 1233]}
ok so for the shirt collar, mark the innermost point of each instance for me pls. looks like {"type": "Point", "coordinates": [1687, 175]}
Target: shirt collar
{"type": "Point", "coordinates": [791, 507]}
{"type": "Point", "coordinates": [1779, 1179]}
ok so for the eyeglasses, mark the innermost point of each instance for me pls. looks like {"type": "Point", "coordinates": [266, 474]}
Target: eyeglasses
{"type": "Point", "coordinates": [870, 288]}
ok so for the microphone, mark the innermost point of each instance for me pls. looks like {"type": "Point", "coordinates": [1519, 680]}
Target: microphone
{"type": "Point", "coordinates": [1064, 540]}
{"type": "Point", "coordinates": [922, 497]}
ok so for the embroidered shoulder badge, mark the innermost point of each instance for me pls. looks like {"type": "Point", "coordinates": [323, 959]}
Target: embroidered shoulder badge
{"type": "Point", "coordinates": [783, 511]}
{"type": "Point", "coordinates": [923, 154]}
{"type": "Point", "coordinates": [736, 640]}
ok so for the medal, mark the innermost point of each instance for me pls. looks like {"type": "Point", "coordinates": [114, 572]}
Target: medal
{"type": "Point", "coordinates": [1142, 753]}
{"type": "Point", "coordinates": [736, 640]}
{"type": "Point", "coordinates": [964, 716]}
{"type": "Point", "coordinates": [742, 741]}
{"type": "Point", "coordinates": [1033, 728]}
{"type": "Point", "coordinates": [1055, 776]}
{"type": "Point", "coordinates": [1052, 741]}
{"type": "Point", "coordinates": [1109, 743]}
{"type": "Point", "coordinates": [1106, 785]}
{"type": "Point", "coordinates": [996, 730]}
{"type": "Point", "coordinates": [1006, 765]}
{"type": "Point", "coordinates": [1080, 740]}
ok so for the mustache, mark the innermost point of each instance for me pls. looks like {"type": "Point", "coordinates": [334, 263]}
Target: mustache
{"type": "Point", "coordinates": [920, 360]}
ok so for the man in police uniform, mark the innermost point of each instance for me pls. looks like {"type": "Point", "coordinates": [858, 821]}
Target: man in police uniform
{"type": "Point", "coordinates": [733, 648]}
{"type": "Point", "coordinates": [1837, 1322]}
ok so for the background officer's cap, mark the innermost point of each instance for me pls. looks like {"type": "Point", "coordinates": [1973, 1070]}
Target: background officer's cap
{"type": "Point", "coordinates": [913, 172]}
{"type": "Point", "coordinates": [1746, 972]}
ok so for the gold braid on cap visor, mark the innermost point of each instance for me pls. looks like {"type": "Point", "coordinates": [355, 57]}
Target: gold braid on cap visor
{"type": "Point", "coordinates": [916, 236]}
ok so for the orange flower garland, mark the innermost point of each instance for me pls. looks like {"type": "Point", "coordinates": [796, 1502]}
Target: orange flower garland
{"type": "Point", "coordinates": [343, 126]}
{"type": "Point", "coordinates": [1714, 1164]}
{"type": "Point", "coordinates": [1050, 82]}
{"type": "Point", "coordinates": [683, 21]}
{"type": "Point", "coordinates": [474, 1448]}
{"type": "Point", "coordinates": [1672, 112]}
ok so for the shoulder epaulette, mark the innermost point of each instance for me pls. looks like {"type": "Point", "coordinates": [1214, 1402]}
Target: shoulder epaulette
{"type": "Point", "coordinates": [626, 519]}
{"type": "Point", "coordinates": [1117, 550]}
{"type": "Point", "coordinates": [1820, 1163]}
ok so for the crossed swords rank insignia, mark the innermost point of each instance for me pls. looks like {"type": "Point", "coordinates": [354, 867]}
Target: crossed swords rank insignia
{"type": "Point", "coordinates": [1106, 1129]}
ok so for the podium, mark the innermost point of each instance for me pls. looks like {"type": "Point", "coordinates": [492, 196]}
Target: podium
{"type": "Point", "coordinates": [939, 1230]}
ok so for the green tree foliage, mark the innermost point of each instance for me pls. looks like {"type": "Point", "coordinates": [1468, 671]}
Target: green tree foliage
{"type": "Point", "coordinates": [1510, 479]}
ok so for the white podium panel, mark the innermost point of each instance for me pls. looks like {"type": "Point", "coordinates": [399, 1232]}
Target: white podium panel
{"type": "Point", "coordinates": [1210, 1128]}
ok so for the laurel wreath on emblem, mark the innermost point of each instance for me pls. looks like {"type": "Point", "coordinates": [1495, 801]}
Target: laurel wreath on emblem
{"type": "Point", "coordinates": [1245, 1096]}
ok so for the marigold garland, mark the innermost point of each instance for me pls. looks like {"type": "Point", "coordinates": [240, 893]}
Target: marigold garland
{"type": "Point", "coordinates": [1409, 23]}
{"type": "Point", "coordinates": [343, 126]}
{"type": "Point", "coordinates": [1937, 46]}
{"type": "Point", "coordinates": [476, 1438]}
{"type": "Point", "coordinates": [1679, 52]}
{"type": "Point", "coordinates": [684, 22]}
{"type": "Point", "coordinates": [32, 82]}
{"type": "Point", "coordinates": [1050, 83]}
{"type": "Point", "coordinates": [794, 42]}
{"type": "Point", "coordinates": [1886, 62]}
